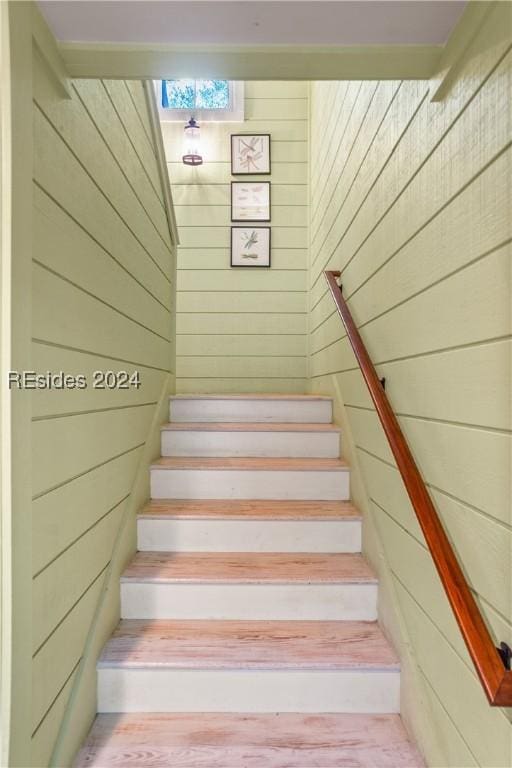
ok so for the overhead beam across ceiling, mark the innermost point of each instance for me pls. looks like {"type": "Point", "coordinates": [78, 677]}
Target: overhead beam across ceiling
{"type": "Point", "coordinates": [136, 61]}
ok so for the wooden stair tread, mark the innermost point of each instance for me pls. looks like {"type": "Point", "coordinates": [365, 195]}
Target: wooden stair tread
{"type": "Point", "coordinates": [248, 568]}
{"type": "Point", "coordinates": [249, 464]}
{"type": "Point", "coordinates": [253, 426]}
{"type": "Point", "coordinates": [238, 509]}
{"type": "Point", "coordinates": [253, 396]}
{"type": "Point", "coordinates": [223, 740]}
{"type": "Point", "coordinates": [285, 645]}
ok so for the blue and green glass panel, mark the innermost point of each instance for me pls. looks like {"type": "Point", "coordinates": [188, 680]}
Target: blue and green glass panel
{"type": "Point", "coordinates": [195, 94]}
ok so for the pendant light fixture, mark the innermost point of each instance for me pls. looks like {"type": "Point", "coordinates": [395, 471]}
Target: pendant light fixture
{"type": "Point", "coordinates": [192, 144]}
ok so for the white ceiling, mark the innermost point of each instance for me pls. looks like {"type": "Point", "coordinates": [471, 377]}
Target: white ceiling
{"type": "Point", "coordinates": [244, 22]}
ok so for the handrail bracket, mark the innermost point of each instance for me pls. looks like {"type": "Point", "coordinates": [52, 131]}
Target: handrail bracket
{"type": "Point", "coordinates": [505, 651]}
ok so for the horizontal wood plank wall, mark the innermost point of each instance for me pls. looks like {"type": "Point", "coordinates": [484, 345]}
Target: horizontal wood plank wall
{"type": "Point", "coordinates": [243, 330]}
{"type": "Point", "coordinates": [102, 300]}
{"type": "Point", "coordinates": [411, 200]}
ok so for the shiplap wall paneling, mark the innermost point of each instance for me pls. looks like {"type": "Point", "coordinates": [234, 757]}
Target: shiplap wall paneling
{"type": "Point", "coordinates": [102, 300]}
{"type": "Point", "coordinates": [242, 329]}
{"type": "Point", "coordinates": [411, 200]}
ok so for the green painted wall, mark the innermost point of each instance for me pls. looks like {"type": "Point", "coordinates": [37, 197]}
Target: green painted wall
{"type": "Point", "coordinates": [15, 469]}
{"type": "Point", "coordinates": [242, 329]}
{"type": "Point", "coordinates": [411, 200]}
{"type": "Point", "coordinates": [102, 300]}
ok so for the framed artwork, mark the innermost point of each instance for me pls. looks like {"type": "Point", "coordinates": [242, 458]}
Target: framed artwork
{"type": "Point", "coordinates": [250, 246]}
{"type": "Point", "coordinates": [250, 154]}
{"type": "Point", "coordinates": [250, 201]}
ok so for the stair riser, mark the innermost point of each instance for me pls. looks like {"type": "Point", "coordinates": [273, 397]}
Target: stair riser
{"type": "Point", "coordinates": [289, 602]}
{"type": "Point", "coordinates": [248, 535]}
{"type": "Point", "coordinates": [265, 444]}
{"type": "Point", "coordinates": [295, 411]}
{"type": "Point", "coordinates": [178, 690]}
{"type": "Point", "coordinates": [249, 484]}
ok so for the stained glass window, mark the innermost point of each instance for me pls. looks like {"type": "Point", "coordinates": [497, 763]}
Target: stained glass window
{"type": "Point", "coordinates": [195, 94]}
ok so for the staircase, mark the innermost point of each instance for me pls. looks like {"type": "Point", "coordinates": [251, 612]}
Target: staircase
{"type": "Point", "coordinates": [248, 636]}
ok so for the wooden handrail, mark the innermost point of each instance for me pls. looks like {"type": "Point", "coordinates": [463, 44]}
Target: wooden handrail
{"type": "Point", "coordinates": [492, 664]}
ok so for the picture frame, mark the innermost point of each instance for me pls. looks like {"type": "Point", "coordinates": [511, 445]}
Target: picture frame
{"type": "Point", "coordinates": [250, 154]}
{"type": "Point", "coordinates": [250, 201]}
{"type": "Point", "coordinates": [250, 247]}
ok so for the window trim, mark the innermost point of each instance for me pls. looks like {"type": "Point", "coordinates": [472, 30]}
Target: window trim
{"type": "Point", "coordinates": [233, 114]}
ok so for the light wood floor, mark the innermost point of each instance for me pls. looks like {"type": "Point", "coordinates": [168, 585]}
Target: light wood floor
{"type": "Point", "coordinates": [249, 645]}
{"type": "Point", "coordinates": [206, 740]}
{"type": "Point", "coordinates": [249, 464]}
{"type": "Point", "coordinates": [249, 568]}
{"type": "Point", "coordinates": [240, 509]}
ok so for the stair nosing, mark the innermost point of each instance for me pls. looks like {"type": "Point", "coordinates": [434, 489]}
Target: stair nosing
{"type": "Point", "coordinates": [254, 396]}
{"type": "Point", "coordinates": [244, 667]}
{"type": "Point", "coordinates": [326, 428]}
{"type": "Point", "coordinates": [276, 519]}
{"type": "Point", "coordinates": [248, 583]}
{"type": "Point", "coordinates": [253, 464]}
